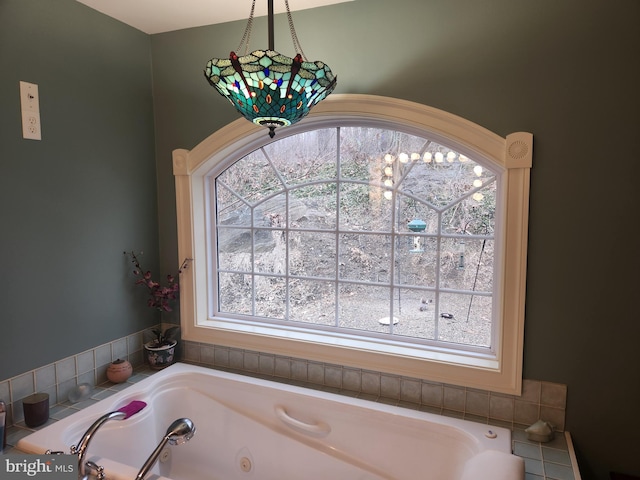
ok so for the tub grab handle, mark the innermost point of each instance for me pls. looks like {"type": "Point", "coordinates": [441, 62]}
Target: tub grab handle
{"type": "Point", "coordinates": [319, 428]}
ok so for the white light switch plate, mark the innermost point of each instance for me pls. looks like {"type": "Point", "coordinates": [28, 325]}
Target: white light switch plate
{"type": "Point", "coordinates": [30, 105]}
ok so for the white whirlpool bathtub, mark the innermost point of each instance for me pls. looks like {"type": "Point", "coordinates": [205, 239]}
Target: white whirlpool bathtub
{"type": "Point", "coordinates": [253, 429]}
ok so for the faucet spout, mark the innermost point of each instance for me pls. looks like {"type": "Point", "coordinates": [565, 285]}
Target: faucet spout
{"type": "Point", "coordinates": [81, 448]}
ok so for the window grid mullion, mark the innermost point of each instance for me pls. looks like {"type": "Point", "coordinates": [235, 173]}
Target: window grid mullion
{"type": "Point", "coordinates": [436, 301]}
{"type": "Point", "coordinates": [336, 302]}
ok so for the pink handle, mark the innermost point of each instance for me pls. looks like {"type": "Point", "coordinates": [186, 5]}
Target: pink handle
{"type": "Point", "coordinates": [132, 408]}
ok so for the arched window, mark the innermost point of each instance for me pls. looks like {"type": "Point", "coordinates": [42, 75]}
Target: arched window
{"type": "Point", "coordinates": [377, 233]}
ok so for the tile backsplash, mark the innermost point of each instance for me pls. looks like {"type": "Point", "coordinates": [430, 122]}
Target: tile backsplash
{"type": "Point", "coordinates": [539, 399]}
{"type": "Point", "coordinates": [58, 378]}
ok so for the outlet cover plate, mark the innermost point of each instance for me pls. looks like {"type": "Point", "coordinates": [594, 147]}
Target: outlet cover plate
{"type": "Point", "coordinates": [30, 105]}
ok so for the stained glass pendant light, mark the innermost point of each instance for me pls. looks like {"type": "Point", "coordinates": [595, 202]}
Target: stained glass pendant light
{"type": "Point", "coordinates": [266, 87]}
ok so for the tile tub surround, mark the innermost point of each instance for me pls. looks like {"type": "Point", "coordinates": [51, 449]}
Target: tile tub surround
{"type": "Point", "coordinates": [549, 461]}
{"type": "Point", "coordinates": [65, 408]}
{"type": "Point", "coordinates": [539, 400]}
{"type": "Point", "coordinates": [58, 378]}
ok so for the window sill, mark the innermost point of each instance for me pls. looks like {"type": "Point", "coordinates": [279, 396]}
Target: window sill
{"type": "Point", "coordinates": [470, 369]}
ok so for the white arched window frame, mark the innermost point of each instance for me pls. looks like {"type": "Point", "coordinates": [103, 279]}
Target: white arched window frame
{"type": "Point", "coordinates": [500, 370]}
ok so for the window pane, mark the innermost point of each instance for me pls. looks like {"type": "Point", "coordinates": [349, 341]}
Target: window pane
{"type": "Point", "coordinates": [363, 308]}
{"type": "Point", "coordinates": [234, 293]}
{"type": "Point", "coordinates": [364, 207]}
{"type": "Point", "coordinates": [416, 260]}
{"type": "Point", "coordinates": [467, 264]}
{"type": "Point", "coordinates": [312, 302]}
{"type": "Point", "coordinates": [305, 157]}
{"type": "Point", "coordinates": [313, 206]}
{"type": "Point", "coordinates": [365, 258]}
{"type": "Point", "coordinates": [272, 211]}
{"type": "Point", "coordinates": [443, 176]}
{"type": "Point", "coordinates": [465, 319]}
{"type": "Point", "coordinates": [410, 208]}
{"type": "Point", "coordinates": [415, 312]}
{"type": "Point", "coordinates": [251, 178]}
{"type": "Point", "coordinates": [234, 249]}
{"type": "Point", "coordinates": [271, 251]}
{"type": "Point", "coordinates": [271, 300]}
{"type": "Point", "coordinates": [230, 209]}
{"type": "Point", "coordinates": [473, 215]}
{"type": "Point", "coordinates": [312, 254]}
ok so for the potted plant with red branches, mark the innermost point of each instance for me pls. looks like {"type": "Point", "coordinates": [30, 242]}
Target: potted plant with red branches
{"type": "Point", "coordinates": [161, 350]}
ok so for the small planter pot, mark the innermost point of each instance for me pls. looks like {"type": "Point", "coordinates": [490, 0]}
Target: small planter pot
{"type": "Point", "coordinates": [119, 371]}
{"type": "Point", "coordinates": [162, 356]}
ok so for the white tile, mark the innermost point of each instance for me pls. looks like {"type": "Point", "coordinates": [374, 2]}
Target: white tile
{"type": "Point", "coordinates": [65, 369]}
{"type": "Point", "coordinates": [21, 386]}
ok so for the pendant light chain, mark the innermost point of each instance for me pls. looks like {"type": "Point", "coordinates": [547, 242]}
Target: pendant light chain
{"type": "Point", "coordinates": [294, 36]}
{"type": "Point", "coordinates": [246, 37]}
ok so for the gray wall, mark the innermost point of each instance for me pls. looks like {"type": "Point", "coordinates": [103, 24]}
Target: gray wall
{"type": "Point", "coordinates": [563, 70]}
{"type": "Point", "coordinates": [71, 203]}
{"type": "Point", "coordinates": [559, 69]}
